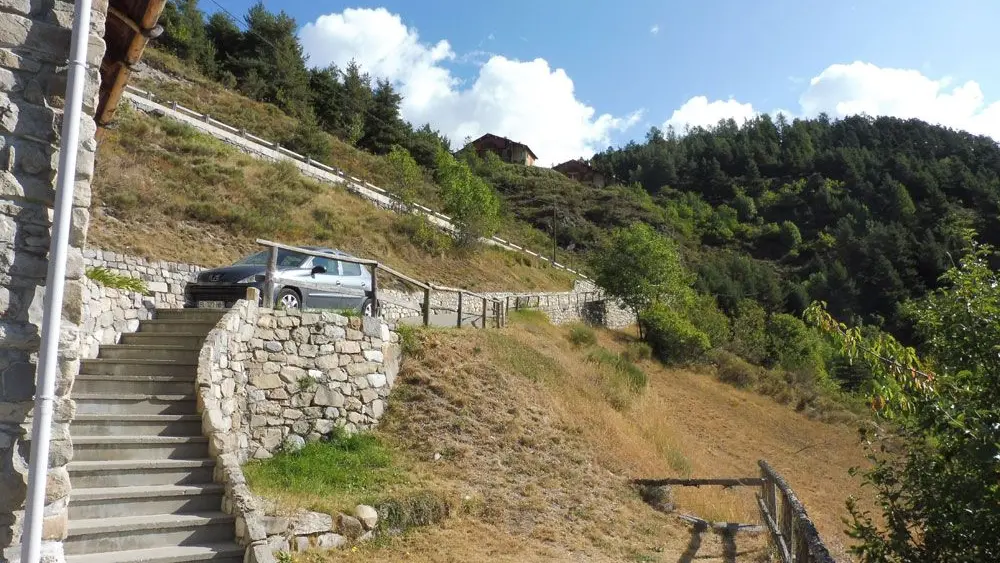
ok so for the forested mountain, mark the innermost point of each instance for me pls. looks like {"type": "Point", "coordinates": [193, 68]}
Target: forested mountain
{"type": "Point", "coordinates": [863, 213]}
{"type": "Point", "coordinates": [860, 212]}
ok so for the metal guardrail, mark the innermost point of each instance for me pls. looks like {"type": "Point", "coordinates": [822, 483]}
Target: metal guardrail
{"type": "Point", "coordinates": [356, 185]}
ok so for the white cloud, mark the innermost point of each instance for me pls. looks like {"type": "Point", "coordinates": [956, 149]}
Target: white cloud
{"type": "Point", "coordinates": [851, 89]}
{"type": "Point", "coordinates": [699, 112]}
{"type": "Point", "coordinates": [655, 29]}
{"type": "Point", "coordinates": [524, 100]}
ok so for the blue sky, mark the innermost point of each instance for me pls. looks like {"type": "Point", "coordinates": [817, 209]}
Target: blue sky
{"type": "Point", "coordinates": [762, 55]}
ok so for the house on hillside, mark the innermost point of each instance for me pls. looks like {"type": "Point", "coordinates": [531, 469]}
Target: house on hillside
{"type": "Point", "coordinates": [508, 150]}
{"type": "Point", "coordinates": [581, 171]}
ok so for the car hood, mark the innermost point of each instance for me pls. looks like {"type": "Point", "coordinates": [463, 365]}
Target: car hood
{"type": "Point", "coordinates": [230, 274]}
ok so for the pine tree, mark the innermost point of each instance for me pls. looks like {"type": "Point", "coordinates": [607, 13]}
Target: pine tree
{"type": "Point", "coordinates": [357, 100]}
{"type": "Point", "coordinates": [383, 127]}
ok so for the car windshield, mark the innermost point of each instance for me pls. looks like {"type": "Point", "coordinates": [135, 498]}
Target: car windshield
{"type": "Point", "coordinates": [286, 259]}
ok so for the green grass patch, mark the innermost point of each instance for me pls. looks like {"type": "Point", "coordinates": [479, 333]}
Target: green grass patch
{"type": "Point", "coordinates": [523, 360]}
{"type": "Point", "coordinates": [529, 317]}
{"type": "Point", "coordinates": [582, 335]}
{"type": "Point", "coordinates": [107, 278]}
{"type": "Point", "coordinates": [357, 466]}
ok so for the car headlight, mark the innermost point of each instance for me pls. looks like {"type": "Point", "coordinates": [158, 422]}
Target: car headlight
{"type": "Point", "coordinates": [253, 279]}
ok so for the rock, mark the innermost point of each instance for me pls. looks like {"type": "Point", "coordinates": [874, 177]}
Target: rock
{"type": "Point", "coordinates": [273, 346]}
{"type": "Point", "coordinates": [349, 526]}
{"type": "Point", "coordinates": [265, 381]}
{"type": "Point", "coordinates": [327, 397]}
{"type": "Point", "coordinates": [366, 515]}
{"type": "Point", "coordinates": [291, 374]}
{"type": "Point", "coordinates": [330, 541]}
{"type": "Point", "coordinates": [373, 355]}
{"type": "Point", "coordinates": [377, 379]}
{"type": "Point", "coordinates": [274, 525]}
{"type": "Point", "coordinates": [294, 443]}
{"type": "Point", "coordinates": [301, 543]}
{"type": "Point", "coordinates": [310, 523]}
{"type": "Point", "coordinates": [324, 426]}
{"type": "Point", "coordinates": [371, 326]}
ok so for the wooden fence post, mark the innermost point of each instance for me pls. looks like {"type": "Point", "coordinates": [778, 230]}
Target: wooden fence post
{"type": "Point", "coordinates": [786, 523]}
{"type": "Point", "coordinates": [375, 307]}
{"type": "Point", "coordinates": [272, 268]}
{"type": "Point", "coordinates": [484, 312]}
{"type": "Point", "coordinates": [427, 306]}
{"type": "Point", "coordinates": [460, 294]}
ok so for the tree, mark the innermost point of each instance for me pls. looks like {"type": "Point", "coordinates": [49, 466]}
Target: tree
{"type": "Point", "coordinates": [357, 100]}
{"type": "Point", "coordinates": [226, 39]}
{"type": "Point", "coordinates": [382, 126]}
{"type": "Point", "coordinates": [327, 96]}
{"type": "Point", "coordinates": [270, 64]}
{"type": "Point", "coordinates": [937, 488]}
{"type": "Point", "coordinates": [640, 267]}
{"type": "Point", "coordinates": [184, 34]}
{"type": "Point", "coordinates": [405, 174]}
{"type": "Point", "coordinates": [467, 198]}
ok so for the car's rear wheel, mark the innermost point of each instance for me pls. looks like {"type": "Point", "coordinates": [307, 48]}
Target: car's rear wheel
{"type": "Point", "coordinates": [368, 308]}
{"type": "Point", "coordinates": [288, 299]}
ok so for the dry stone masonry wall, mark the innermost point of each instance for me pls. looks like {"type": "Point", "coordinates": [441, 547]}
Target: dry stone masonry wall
{"type": "Point", "coordinates": [108, 313]}
{"type": "Point", "coordinates": [34, 48]}
{"type": "Point", "coordinates": [313, 372]}
{"type": "Point", "coordinates": [165, 280]}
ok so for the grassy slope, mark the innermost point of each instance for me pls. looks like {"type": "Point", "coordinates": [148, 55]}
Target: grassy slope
{"type": "Point", "coordinates": [537, 447]}
{"type": "Point", "coordinates": [164, 191]}
{"type": "Point", "coordinates": [189, 88]}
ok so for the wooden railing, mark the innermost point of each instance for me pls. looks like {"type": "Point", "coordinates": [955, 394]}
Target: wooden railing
{"type": "Point", "coordinates": [499, 314]}
{"type": "Point", "coordinates": [792, 532]}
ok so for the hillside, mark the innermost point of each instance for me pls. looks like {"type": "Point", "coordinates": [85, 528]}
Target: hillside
{"type": "Point", "coordinates": [529, 442]}
{"type": "Point", "coordinates": [165, 191]}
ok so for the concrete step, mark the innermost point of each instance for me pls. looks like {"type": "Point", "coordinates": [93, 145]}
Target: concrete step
{"type": "Point", "coordinates": [106, 366]}
{"type": "Point", "coordinates": [136, 425]}
{"type": "Point", "coordinates": [98, 535]}
{"type": "Point", "coordinates": [202, 315]}
{"type": "Point", "coordinates": [90, 384]}
{"type": "Point", "coordinates": [112, 502]}
{"type": "Point", "coordinates": [216, 553]}
{"type": "Point", "coordinates": [194, 326]}
{"type": "Point", "coordinates": [134, 403]}
{"type": "Point", "coordinates": [132, 473]}
{"type": "Point", "coordinates": [105, 448]}
{"type": "Point", "coordinates": [187, 355]}
{"type": "Point", "coordinates": [164, 338]}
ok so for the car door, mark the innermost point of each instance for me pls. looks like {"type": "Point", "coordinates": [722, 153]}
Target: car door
{"type": "Point", "coordinates": [354, 285]}
{"type": "Point", "coordinates": [319, 290]}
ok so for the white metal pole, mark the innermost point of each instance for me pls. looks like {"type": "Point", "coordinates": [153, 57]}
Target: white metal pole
{"type": "Point", "coordinates": [41, 432]}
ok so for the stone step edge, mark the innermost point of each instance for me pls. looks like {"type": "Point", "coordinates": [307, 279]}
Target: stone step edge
{"type": "Point", "coordinates": [177, 554]}
{"type": "Point", "coordinates": [136, 361]}
{"type": "Point", "coordinates": [136, 417]}
{"type": "Point", "coordinates": [156, 347]}
{"type": "Point", "coordinates": [144, 440]}
{"type": "Point", "coordinates": [88, 526]}
{"type": "Point", "coordinates": [137, 464]}
{"type": "Point", "coordinates": [130, 397]}
{"type": "Point", "coordinates": [147, 491]}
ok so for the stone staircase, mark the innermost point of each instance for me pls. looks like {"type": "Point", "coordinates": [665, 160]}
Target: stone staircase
{"type": "Point", "coordinates": [142, 474]}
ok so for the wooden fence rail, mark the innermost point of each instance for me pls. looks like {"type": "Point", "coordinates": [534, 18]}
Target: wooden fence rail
{"type": "Point", "coordinates": [792, 532]}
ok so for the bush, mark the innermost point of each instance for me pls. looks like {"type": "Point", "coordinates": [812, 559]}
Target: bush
{"type": "Point", "coordinates": [419, 231]}
{"type": "Point", "coordinates": [734, 370]}
{"type": "Point", "coordinates": [582, 335]}
{"type": "Point", "coordinates": [637, 352]}
{"type": "Point", "coordinates": [109, 279]}
{"type": "Point", "coordinates": [706, 317]}
{"type": "Point", "coordinates": [672, 337]}
{"type": "Point", "coordinates": [749, 331]}
{"type": "Point", "coordinates": [634, 378]}
{"type": "Point", "coordinates": [796, 347]}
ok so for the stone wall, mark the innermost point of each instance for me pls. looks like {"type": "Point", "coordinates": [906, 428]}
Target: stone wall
{"type": "Point", "coordinates": [312, 372]}
{"type": "Point", "coordinates": [165, 280]}
{"type": "Point", "coordinates": [108, 313]}
{"type": "Point", "coordinates": [34, 48]}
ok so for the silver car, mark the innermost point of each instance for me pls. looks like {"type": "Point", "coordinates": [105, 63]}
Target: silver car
{"type": "Point", "coordinates": [301, 281]}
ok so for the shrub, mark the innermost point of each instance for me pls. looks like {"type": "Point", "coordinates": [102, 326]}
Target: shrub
{"type": "Point", "coordinates": [419, 231]}
{"type": "Point", "coordinates": [706, 317]}
{"type": "Point", "coordinates": [409, 341]}
{"type": "Point", "coordinates": [637, 352]}
{"type": "Point", "coordinates": [672, 337]}
{"type": "Point", "coordinates": [107, 278]}
{"type": "Point", "coordinates": [582, 335]}
{"type": "Point", "coordinates": [734, 370]}
{"type": "Point", "coordinates": [749, 331]}
{"type": "Point", "coordinates": [796, 347]}
{"type": "Point", "coordinates": [631, 375]}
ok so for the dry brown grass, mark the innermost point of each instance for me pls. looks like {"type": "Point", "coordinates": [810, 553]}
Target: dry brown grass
{"type": "Point", "coordinates": [164, 191]}
{"type": "Point", "coordinates": [536, 455]}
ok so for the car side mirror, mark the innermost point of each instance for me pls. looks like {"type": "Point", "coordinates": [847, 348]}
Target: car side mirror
{"type": "Point", "coordinates": [318, 270]}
